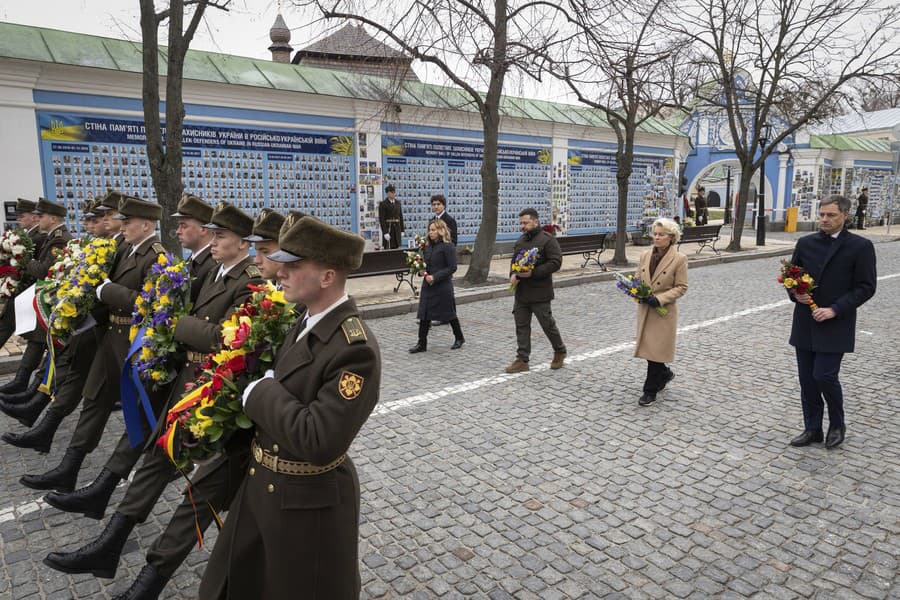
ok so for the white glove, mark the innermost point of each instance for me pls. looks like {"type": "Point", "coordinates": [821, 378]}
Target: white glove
{"type": "Point", "coordinates": [387, 236]}
{"type": "Point", "coordinates": [100, 288]}
{"type": "Point", "coordinates": [269, 374]}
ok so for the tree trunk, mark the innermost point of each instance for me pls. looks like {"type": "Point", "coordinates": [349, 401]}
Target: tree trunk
{"type": "Point", "coordinates": [740, 207]}
{"type": "Point", "coordinates": [172, 186]}
{"type": "Point", "coordinates": [480, 267]}
{"type": "Point", "coordinates": [624, 169]}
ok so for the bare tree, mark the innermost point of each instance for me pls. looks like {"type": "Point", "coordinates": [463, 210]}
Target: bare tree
{"type": "Point", "coordinates": [787, 63]}
{"type": "Point", "coordinates": [470, 42]}
{"type": "Point", "coordinates": [878, 95]}
{"type": "Point", "coordinates": [623, 64]}
{"type": "Point", "coordinates": [164, 152]}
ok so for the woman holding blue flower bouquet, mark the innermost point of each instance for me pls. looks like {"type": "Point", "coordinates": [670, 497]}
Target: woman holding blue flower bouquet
{"type": "Point", "coordinates": [665, 270]}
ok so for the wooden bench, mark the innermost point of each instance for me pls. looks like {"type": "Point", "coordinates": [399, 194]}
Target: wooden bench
{"type": "Point", "coordinates": [589, 245]}
{"type": "Point", "coordinates": [387, 262]}
{"type": "Point", "coordinates": [705, 235]}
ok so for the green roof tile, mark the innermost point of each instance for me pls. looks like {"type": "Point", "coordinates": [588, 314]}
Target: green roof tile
{"type": "Point", "coordinates": [838, 141]}
{"type": "Point", "coordinates": [62, 47]}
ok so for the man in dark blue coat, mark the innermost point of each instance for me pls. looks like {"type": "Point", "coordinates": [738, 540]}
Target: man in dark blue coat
{"type": "Point", "coordinates": [843, 267]}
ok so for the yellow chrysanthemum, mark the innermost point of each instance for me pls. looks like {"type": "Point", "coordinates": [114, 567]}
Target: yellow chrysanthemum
{"type": "Point", "coordinates": [224, 356]}
{"type": "Point", "coordinates": [66, 309]}
{"type": "Point", "coordinates": [162, 260]}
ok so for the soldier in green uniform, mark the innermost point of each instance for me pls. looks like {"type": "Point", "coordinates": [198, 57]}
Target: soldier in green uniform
{"type": "Point", "coordinates": [216, 481]}
{"type": "Point", "coordinates": [292, 530]}
{"type": "Point", "coordinates": [28, 221]}
{"type": "Point", "coordinates": [193, 213]}
{"type": "Point", "coordinates": [102, 390]}
{"type": "Point", "coordinates": [50, 221]}
{"type": "Point", "coordinates": [224, 289]}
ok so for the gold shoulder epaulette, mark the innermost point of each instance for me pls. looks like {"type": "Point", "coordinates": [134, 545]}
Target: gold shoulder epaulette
{"type": "Point", "coordinates": [58, 233]}
{"type": "Point", "coordinates": [252, 271]}
{"type": "Point", "coordinates": [159, 248]}
{"type": "Point", "coordinates": [353, 330]}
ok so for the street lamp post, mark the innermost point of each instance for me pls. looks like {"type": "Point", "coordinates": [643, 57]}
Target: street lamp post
{"type": "Point", "coordinates": [764, 133]}
{"type": "Point", "coordinates": [728, 196]}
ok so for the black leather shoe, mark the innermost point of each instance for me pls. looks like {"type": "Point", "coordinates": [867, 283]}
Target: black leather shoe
{"type": "Point", "coordinates": [40, 437]}
{"type": "Point", "coordinates": [835, 437]}
{"type": "Point", "coordinates": [27, 412]}
{"type": "Point", "coordinates": [91, 501]}
{"type": "Point", "coordinates": [99, 557]}
{"type": "Point", "coordinates": [457, 344]}
{"type": "Point", "coordinates": [646, 399]}
{"type": "Point", "coordinates": [807, 437]}
{"type": "Point", "coordinates": [417, 348]}
{"type": "Point", "coordinates": [666, 381]}
{"type": "Point", "coordinates": [18, 383]}
{"type": "Point", "coordinates": [61, 478]}
{"type": "Point", "coordinates": [148, 585]}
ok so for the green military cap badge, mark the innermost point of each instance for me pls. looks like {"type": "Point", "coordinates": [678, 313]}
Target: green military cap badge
{"type": "Point", "coordinates": [266, 226]}
{"type": "Point", "coordinates": [133, 207]}
{"type": "Point", "coordinates": [193, 207]}
{"type": "Point", "coordinates": [46, 207]}
{"type": "Point", "coordinates": [230, 217]}
{"type": "Point", "coordinates": [353, 330]}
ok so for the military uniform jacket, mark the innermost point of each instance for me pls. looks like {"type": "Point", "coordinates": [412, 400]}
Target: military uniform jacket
{"type": "Point", "coordinates": [37, 238]}
{"type": "Point", "coordinates": [199, 266]}
{"type": "Point", "coordinates": [201, 331]}
{"type": "Point", "coordinates": [127, 279]}
{"type": "Point", "coordinates": [538, 287]}
{"type": "Point", "coordinates": [845, 276]}
{"type": "Point", "coordinates": [296, 536]}
{"type": "Point", "coordinates": [390, 216]}
{"type": "Point", "coordinates": [44, 259]}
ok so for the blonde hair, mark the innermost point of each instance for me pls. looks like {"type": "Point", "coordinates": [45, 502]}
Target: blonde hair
{"type": "Point", "coordinates": [441, 229]}
{"type": "Point", "coordinates": [668, 226]}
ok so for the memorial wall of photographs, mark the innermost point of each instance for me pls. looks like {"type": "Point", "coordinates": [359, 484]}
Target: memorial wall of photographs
{"type": "Point", "coordinates": [593, 191]}
{"type": "Point", "coordinates": [421, 168]}
{"type": "Point", "coordinates": [250, 168]}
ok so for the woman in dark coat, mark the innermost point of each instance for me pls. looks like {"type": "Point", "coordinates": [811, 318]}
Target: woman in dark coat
{"type": "Point", "coordinates": [436, 301]}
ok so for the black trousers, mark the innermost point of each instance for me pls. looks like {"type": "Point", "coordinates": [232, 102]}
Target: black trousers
{"type": "Point", "coordinates": [522, 314]}
{"type": "Point", "coordinates": [656, 374]}
{"type": "Point", "coordinates": [860, 218]}
{"type": "Point", "coordinates": [7, 321]}
{"type": "Point", "coordinates": [818, 373]}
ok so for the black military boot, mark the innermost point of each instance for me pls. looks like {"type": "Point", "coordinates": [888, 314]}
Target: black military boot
{"type": "Point", "coordinates": [24, 395]}
{"type": "Point", "coordinates": [39, 437]}
{"type": "Point", "coordinates": [61, 478]}
{"type": "Point", "coordinates": [99, 557]}
{"type": "Point", "coordinates": [27, 412]}
{"type": "Point", "coordinates": [19, 383]}
{"type": "Point", "coordinates": [91, 500]}
{"type": "Point", "coordinates": [148, 585]}
{"type": "Point", "coordinates": [422, 344]}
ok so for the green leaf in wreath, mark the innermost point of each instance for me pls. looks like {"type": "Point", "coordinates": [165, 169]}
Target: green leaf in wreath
{"type": "Point", "coordinates": [243, 421]}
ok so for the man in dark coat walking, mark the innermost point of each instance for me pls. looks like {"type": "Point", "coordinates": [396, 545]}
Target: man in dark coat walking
{"type": "Point", "coordinates": [534, 291]}
{"type": "Point", "coordinates": [439, 208]}
{"type": "Point", "coordinates": [843, 267]}
{"type": "Point", "coordinates": [390, 216]}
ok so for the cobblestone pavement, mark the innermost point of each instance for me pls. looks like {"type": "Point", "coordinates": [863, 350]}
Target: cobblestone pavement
{"type": "Point", "coordinates": [555, 484]}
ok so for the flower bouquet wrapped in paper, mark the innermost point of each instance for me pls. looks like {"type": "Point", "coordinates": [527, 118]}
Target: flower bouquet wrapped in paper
{"type": "Point", "coordinates": [796, 280]}
{"type": "Point", "coordinates": [16, 249]}
{"type": "Point", "coordinates": [637, 290]}
{"type": "Point", "coordinates": [524, 262]}
{"type": "Point", "coordinates": [210, 412]}
{"type": "Point", "coordinates": [165, 298]}
{"type": "Point", "coordinates": [63, 301]}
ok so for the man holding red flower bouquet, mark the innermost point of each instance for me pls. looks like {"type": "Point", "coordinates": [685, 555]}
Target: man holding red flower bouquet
{"type": "Point", "coordinates": [843, 266]}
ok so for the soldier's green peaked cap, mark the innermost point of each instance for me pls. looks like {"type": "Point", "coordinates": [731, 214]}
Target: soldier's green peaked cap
{"type": "Point", "coordinates": [25, 206]}
{"type": "Point", "coordinates": [227, 216]}
{"type": "Point", "coordinates": [45, 206]}
{"type": "Point", "coordinates": [194, 207]}
{"type": "Point", "coordinates": [132, 206]}
{"type": "Point", "coordinates": [312, 239]}
{"type": "Point", "coordinates": [266, 226]}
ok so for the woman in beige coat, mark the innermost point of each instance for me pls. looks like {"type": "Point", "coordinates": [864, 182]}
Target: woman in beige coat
{"type": "Point", "coordinates": [665, 270]}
